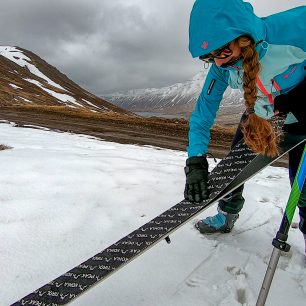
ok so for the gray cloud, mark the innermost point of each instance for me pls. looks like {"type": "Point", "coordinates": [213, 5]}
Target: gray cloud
{"type": "Point", "coordinates": [110, 45]}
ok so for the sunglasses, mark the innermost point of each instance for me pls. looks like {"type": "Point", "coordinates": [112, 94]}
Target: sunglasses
{"type": "Point", "coordinates": [220, 53]}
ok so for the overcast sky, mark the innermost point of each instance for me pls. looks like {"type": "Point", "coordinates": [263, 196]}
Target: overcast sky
{"type": "Point", "coordinates": [111, 45]}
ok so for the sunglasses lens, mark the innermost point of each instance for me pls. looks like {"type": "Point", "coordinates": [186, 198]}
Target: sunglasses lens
{"type": "Point", "coordinates": [223, 55]}
{"type": "Point", "coordinates": [220, 53]}
{"type": "Point", "coordinates": [223, 52]}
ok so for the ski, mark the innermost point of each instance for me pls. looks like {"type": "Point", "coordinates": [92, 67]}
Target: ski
{"type": "Point", "coordinates": [231, 172]}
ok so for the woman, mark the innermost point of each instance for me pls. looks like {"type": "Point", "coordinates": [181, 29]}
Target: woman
{"type": "Point", "coordinates": [266, 59]}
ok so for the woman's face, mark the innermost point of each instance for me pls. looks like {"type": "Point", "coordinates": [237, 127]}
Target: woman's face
{"type": "Point", "coordinates": [236, 53]}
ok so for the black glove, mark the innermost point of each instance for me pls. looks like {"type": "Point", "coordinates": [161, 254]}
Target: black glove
{"type": "Point", "coordinates": [294, 101]}
{"type": "Point", "coordinates": [196, 171]}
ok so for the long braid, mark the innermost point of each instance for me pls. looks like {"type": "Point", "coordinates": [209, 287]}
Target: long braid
{"type": "Point", "coordinates": [258, 133]}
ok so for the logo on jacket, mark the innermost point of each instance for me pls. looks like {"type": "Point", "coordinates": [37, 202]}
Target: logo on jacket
{"type": "Point", "coordinates": [287, 75]}
{"type": "Point", "coordinates": [204, 45]}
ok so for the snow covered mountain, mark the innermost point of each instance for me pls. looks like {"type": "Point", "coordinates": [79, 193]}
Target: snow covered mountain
{"type": "Point", "coordinates": [26, 79]}
{"type": "Point", "coordinates": [179, 98]}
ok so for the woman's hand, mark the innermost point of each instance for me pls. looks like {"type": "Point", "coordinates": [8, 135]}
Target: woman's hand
{"type": "Point", "coordinates": [196, 171]}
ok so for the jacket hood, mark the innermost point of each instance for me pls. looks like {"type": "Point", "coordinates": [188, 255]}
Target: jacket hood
{"type": "Point", "coordinates": [214, 23]}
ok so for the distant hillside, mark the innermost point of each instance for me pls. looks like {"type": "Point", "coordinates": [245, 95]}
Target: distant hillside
{"type": "Point", "coordinates": [26, 79]}
{"type": "Point", "coordinates": [179, 98]}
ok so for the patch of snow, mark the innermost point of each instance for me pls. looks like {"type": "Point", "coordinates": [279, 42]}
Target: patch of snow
{"type": "Point", "coordinates": [26, 100]}
{"type": "Point", "coordinates": [59, 96]}
{"type": "Point", "coordinates": [15, 86]}
{"type": "Point", "coordinates": [17, 56]}
{"type": "Point", "coordinates": [89, 103]}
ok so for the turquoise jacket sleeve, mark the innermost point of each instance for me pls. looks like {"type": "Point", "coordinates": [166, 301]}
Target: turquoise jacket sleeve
{"type": "Point", "coordinates": [207, 105]}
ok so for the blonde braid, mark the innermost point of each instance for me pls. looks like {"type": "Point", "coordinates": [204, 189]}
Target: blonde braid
{"type": "Point", "coordinates": [258, 133]}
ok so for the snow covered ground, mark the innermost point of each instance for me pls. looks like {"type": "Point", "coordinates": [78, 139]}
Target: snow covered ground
{"type": "Point", "coordinates": [64, 198]}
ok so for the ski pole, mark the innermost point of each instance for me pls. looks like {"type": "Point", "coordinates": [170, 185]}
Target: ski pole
{"type": "Point", "coordinates": [279, 242]}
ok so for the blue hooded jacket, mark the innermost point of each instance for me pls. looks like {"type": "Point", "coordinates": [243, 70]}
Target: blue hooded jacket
{"type": "Point", "coordinates": [281, 47]}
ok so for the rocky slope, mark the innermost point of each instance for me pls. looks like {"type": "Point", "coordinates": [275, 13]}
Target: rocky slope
{"type": "Point", "coordinates": [26, 79]}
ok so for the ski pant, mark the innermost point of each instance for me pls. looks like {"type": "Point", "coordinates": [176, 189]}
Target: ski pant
{"type": "Point", "coordinates": [233, 202]}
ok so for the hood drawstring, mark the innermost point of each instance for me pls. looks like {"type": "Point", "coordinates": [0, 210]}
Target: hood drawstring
{"type": "Point", "coordinates": [264, 44]}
